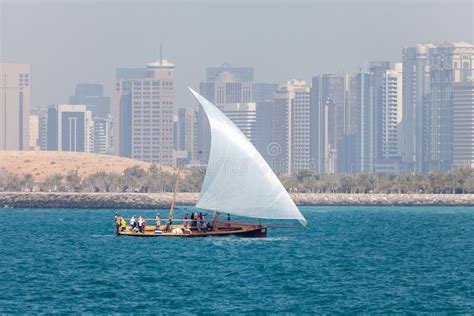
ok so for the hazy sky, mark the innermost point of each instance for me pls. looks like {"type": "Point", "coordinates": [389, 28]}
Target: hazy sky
{"type": "Point", "coordinates": [72, 42]}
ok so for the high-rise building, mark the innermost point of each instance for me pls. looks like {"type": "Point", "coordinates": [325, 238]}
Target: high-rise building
{"type": "Point", "coordinates": [348, 164]}
{"type": "Point", "coordinates": [225, 84]}
{"type": "Point", "coordinates": [262, 95]}
{"type": "Point", "coordinates": [186, 132]}
{"type": "Point", "coordinates": [392, 131]}
{"type": "Point", "coordinates": [449, 63]}
{"type": "Point", "coordinates": [263, 92]}
{"type": "Point", "coordinates": [92, 95]}
{"type": "Point", "coordinates": [129, 73]}
{"type": "Point", "coordinates": [143, 113]}
{"type": "Point", "coordinates": [102, 135]}
{"type": "Point", "coordinates": [43, 127]}
{"type": "Point", "coordinates": [14, 106]}
{"type": "Point", "coordinates": [226, 87]}
{"type": "Point", "coordinates": [290, 150]}
{"type": "Point", "coordinates": [392, 113]}
{"type": "Point", "coordinates": [416, 84]}
{"type": "Point", "coordinates": [70, 128]}
{"type": "Point", "coordinates": [264, 128]}
{"type": "Point", "coordinates": [244, 116]}
{"type": "Point", "coordinates": [329, 115]}
{"type": "Point", "coordinates": [365, 135]}
{"type": "Point", "coordinates": [175, 132]}
{"type": "Point", "coordinates": [244, 74]}
{"type": "Point", "coordinates": [34, 132]}
{"type": "Point", "coordinates": [429, 72]}
{"type": "Point", "coordinates": [378, 70]}
{"type": "Point", "coordinates": [463, 124]}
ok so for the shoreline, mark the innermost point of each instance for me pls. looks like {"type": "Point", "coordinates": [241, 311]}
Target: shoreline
{"type": "Point", "coordinates": [163, 200]}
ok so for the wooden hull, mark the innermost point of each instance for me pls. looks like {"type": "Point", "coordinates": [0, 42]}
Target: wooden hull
{"type": "Point", "coordinates": [223, 229]}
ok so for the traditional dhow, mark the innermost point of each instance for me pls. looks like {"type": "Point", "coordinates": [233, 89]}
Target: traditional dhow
{"type": "Point", "coordinates": [221, 229]}
{"type": "Point", "coordinates": [238, 181]}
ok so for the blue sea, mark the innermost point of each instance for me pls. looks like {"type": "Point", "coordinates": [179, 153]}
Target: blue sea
{"type": "Point", "coordinates": [348, 260]}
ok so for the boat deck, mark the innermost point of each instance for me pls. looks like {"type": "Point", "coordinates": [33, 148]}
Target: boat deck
{"type": "Point", "coordinates": [222, 229]}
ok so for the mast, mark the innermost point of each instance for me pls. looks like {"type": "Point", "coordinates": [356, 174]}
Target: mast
{"type": "Point", "coordinates": [176, 187]}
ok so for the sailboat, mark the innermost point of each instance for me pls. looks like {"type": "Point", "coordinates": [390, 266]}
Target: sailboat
{"type": "Point", "coordinates": [238, 181]}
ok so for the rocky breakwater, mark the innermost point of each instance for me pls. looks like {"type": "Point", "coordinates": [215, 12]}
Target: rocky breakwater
{"type": "Point", "coordinates": [384, 199]}
{"type": "Point", "coordinates": [163, 200]}
{"type": "Point", "coordinates": [94, 200]}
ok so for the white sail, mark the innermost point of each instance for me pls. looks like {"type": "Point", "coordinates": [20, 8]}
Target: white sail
{"type": "Point", "coordinates": [238, 180]}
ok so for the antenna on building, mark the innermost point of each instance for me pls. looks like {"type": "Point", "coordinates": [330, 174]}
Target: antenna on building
{"type": "Point", "coordinates": [161, 54]}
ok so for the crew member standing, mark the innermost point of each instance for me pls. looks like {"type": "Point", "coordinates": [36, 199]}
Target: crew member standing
{"type": "Point", "coordinates": [158, 221]}
{"type": "Point", "coordinates": [186, 220]}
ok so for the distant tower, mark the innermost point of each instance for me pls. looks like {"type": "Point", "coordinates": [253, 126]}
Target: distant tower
{"type": "Point", "coordinates": [365, 134]}
{"type": "Point", "coordinates": [329, 113]}
{"type": "Point", "coordinates": [290, 150]}
{"type": "Point", "coordinates": [143, 112]}
{"type": "Point", "coordinates": [34, 132]}
{"type": "Point", "coordinates": [416, 83]}
{"type": "Point", "coordinates": [92, 95]}
{"type": "Point", "coordinates": [378, 69]}
{"type": "Point", "coordinates": [14, 106]}
{"type": "Point", "coordinates": [244, 116]}
{"type": "Point", "coordinates": [224, 85]}
{"type": "Point", "coordinates": [392, 114]}
{"type": "Point", "coordinates": [70, 128]}
{"type": "Point", "coordinates": [463, 124]}
{"type": "Point", "coordinates": [186, 133]}
{"type": "Point", "coordinates": [450, 63]}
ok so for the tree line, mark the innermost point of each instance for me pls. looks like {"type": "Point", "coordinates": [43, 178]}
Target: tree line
{"type": "Point", "coordinates": [136, 179]}
{"type": "Point", "coordinates": [457, 181]}
{"type": "Point", "coordinates": [133, 179]}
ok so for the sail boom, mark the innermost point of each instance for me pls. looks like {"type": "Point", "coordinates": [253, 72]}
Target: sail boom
{"type": "Point", "coordinates": [240, 213]}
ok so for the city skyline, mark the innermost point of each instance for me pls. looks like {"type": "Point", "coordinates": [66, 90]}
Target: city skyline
{"type": "Point", "coordinates": [88, 46]}
{"type": "Point", "coordinates": [321, 91]}
{"type": "Point", "coordinates": [371, 121]}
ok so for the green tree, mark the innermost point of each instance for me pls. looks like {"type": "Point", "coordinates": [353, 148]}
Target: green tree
{"type": "Point", "coordinates": [469, 184]}
{"type": "Point", "coordinates": [53, 183]}
{"type": "Point", "coordinates": [27, 182]}
{"type": "Point", "coordinates": [73, 181]}
{"type": "Point", "coordinates": [134, 179]}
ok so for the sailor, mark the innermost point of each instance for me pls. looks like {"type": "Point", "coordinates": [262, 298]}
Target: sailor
{"type": "Point", "coordinates": [123, 224]}
{"type": "Point", "coordinates": [198, 226]}
{"type": "Point", "coordinates": [143, 225]}
{"type": "Point", "coordinates": [168, 225]}
{"type": "Point", "coordinates": [158, 221]}
{"type": "Point", "coordinates": [195, 218]}
{"type": "Point", "coordinates": [133, 222]}
{"type": "Point", "coordinates": [201, 219]}
{"type": "Point", "coordinates": [140, 223]}
{"type": "Point", "coordinates": [118, 220]}
{"type": "Point", "coordinates": [186, 220]}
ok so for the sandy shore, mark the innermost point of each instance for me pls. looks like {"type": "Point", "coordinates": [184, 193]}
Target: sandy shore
{"type": "Point", "coordinates": [42, 164]}
{"type": "Point", "coordinates": [162, 200]}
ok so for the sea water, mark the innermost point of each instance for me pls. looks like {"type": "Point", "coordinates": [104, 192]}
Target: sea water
{"type": "Point", "coordinates": [348, 260]}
